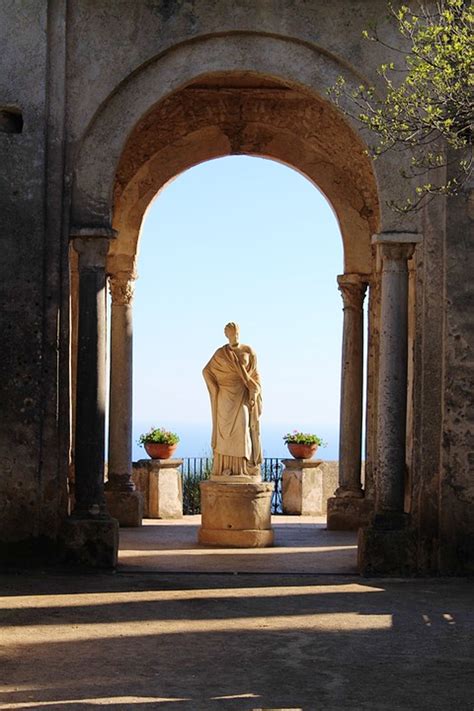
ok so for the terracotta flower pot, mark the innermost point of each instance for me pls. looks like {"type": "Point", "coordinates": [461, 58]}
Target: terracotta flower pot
{"type": "Point", "coordinates": [302, 451]}
{"type": "Point", "coordinates": [155, 450]}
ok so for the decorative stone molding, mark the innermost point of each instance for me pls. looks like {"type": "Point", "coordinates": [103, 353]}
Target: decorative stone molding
{"type": "Point", "coordinates": [396, 245]}
{"type": "Point", "coordinates": [397, 238]}
{"type": "Point", "coordinates": [92, 232]}
{"type": "Point", "coordinates": [92, 251]}
{"type": "Point", "coordinates": [122, 288]}
{"type": "Point", "coordinates": [353, 288]}
{"type": "Point", "coordinates": [393, 254]}
{"type": "Point", "coordinates": [92, 245]}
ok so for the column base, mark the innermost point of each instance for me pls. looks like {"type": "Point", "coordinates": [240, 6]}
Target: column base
{"type": "Point", "coordinates": [126, 507]}
{"type": "Point", "coordinates": [387, 546]}
{"type": "Point", "coordinates": [236, 515]}
{"type": "Point", "coordinates": [92, 543]}
{"type": "Point", "coordinates": [346, 513]}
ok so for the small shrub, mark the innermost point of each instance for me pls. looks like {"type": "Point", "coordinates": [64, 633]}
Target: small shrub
{"type": "Point", "coordinates": [158, 436]}
{"type": "Point", "coordinates": [296, 437]}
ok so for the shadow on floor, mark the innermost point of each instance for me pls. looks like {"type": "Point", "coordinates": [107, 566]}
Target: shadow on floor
{"type": "Point", "coordinates": [240, 642]}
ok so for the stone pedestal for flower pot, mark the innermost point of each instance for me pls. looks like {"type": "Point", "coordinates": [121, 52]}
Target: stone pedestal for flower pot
{"type": "Point", "coordinates": [303, 487]}
{"type": "Point", "coordinates": [161, 482]}
{"type": "Point", "coordinates": [236, 515]}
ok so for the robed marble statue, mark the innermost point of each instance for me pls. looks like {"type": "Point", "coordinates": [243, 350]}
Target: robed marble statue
{"type": "Point", "coordinates": [236, 402]}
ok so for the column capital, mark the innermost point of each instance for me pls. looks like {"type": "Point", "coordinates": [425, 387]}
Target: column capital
{"type": "Point", "coordinates": [396, 246]}
{"type": "Point", "coordinates": [353, 288]}
{"type": "Point", "coordinates": [92, 251]}
{"type": "Point", "coordinates": [396, 252]}
{"type": "Point", "coordinates": [122, 287]}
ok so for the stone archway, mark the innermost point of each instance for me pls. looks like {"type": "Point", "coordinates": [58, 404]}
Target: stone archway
{"type": "Point", "coordinates": [210, 114]}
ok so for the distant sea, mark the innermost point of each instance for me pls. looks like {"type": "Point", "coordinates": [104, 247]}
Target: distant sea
{"type": "Point", "coordinates": [195, 440]}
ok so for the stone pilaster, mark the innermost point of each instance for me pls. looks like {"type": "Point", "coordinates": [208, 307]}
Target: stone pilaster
{"type": "Point", "coordinates": [385, 545]}
{"type": "Point", "coordinates": [90, 534]}
{"type": "Point", "coordinates": [342, 514]}
{"type": "Point", "coordinates": [123, 501]}
{"type": "Point", "coordinates": [373, 330]}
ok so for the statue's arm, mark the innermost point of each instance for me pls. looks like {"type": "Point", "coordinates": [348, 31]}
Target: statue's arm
{"type": "Point", "coordinates": [254, 385]}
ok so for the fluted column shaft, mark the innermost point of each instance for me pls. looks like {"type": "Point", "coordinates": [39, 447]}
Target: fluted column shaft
{"type": "Point", "coordinates": [91, 382]}
{"type": "Point", "coordinates": [353, 288]}
{"type": "Point", "coordinates": [121, 380]}
{"type": "Point", "coordinates": [392, 384]}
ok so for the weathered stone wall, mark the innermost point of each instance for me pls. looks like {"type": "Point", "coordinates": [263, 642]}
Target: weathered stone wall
{"type": "Point", "coordinates": [32, 497]}
{"type": "Point", "coordinates": [456, 525]}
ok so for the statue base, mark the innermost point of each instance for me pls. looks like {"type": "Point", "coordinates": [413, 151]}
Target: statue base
{"type": "Point", "coordinates": [236, 514]}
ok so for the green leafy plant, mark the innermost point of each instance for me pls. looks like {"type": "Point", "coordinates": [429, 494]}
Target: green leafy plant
{"type": "Point", "coordinates": [426, 106]}
{"type": "Point", "coordinates": [296, 437]}
{"type": "Point", "coordinates": [158, 436]}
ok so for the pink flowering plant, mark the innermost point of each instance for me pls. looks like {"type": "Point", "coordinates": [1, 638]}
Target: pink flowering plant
{"type": "Point", "coordinates": [158, 435]}
{"type": "Point", "coordinates": [296, 437]}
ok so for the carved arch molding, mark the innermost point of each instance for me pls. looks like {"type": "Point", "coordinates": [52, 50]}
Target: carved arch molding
{"type": "Point", "coordinates": [217, 113]}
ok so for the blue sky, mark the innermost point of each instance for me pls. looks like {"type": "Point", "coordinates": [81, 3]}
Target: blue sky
{"type": "Point", "coordinates": [247, 240]}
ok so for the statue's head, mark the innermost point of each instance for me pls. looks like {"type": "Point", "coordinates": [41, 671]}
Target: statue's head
{"type": "Point", "coordinates": [231, 331]}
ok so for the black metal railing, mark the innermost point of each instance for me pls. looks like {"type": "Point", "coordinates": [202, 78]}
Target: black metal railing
{"type": "Point", "coordinates": [272, 469]}
{"type": "Point", "coordinates": [197, 469]}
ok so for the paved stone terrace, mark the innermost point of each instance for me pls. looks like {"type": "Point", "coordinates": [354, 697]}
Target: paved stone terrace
{"type": "Point", "coordinates": [302, 545]}
{"type": "Point", "coordinates": [235, 642]}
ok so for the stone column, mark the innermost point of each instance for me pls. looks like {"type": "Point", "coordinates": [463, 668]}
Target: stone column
{"type": "Point", "coordinates": [385, 545]}
{"type": "Point", "coordinates": [371, 422]}
{"type": "Point", "coordinates": [123, 501]}
{"type": "Point", "coordinates": [353, 290]}
{"type": "Point", "coordinates": [90, 534]}
{"type": "Point", "coordinates": [345, 510]}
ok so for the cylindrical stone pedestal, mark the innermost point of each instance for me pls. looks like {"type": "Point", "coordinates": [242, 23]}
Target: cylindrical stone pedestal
{"type": "Point", "coordinates": [236, 515]}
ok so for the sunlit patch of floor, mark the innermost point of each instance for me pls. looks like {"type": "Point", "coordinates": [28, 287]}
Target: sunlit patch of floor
{"type": "Point", "coordinates": [302, 545]}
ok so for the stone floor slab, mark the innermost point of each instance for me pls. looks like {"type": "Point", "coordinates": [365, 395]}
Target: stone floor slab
{"type": "Point", "coordinates": [302, 545]}
{"type": "Point", "coordinates": [241, 642]}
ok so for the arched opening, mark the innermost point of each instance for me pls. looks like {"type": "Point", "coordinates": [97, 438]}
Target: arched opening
{"type": "Point", "coordinates": [249, 113]}
{"type": "Point", "coordinates": [252, 240]}
{"type": "Point", "coordinates": [257, 243]}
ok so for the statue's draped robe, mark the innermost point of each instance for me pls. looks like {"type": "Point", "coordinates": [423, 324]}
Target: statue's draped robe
{"type": "Point", "coordinates": [230, 376]}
